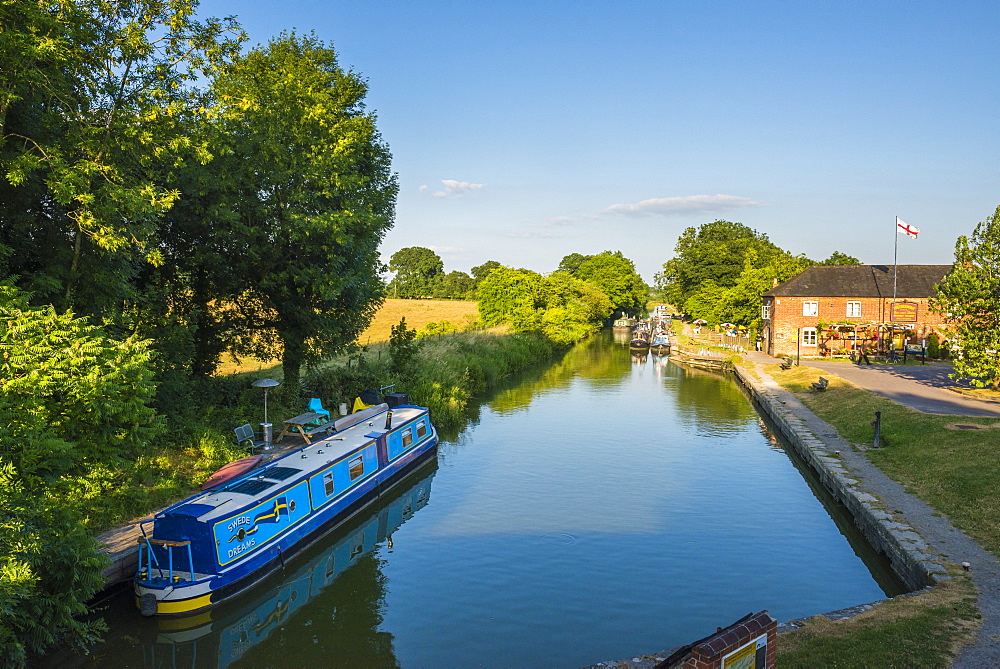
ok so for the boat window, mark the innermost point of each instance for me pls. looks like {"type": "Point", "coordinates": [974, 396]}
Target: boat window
{"type": "Point", "coordinates": [251, 486]}
{"type": "Point", "coordinates": [421, 429]}
{"type": "Point", "coordinates": [328, 483]}
{"type": "Point", "coordinates": [281, 473]}
{"type": "Point", "coordinates": [357, 467]}
{"type": "Point", "coordinates": [407, 437]}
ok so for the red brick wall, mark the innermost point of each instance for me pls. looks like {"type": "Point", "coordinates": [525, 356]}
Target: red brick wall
{"type": "Point", "coordinates": [786, 319]}
{"type": "Point", "coordinates": [709, 652]}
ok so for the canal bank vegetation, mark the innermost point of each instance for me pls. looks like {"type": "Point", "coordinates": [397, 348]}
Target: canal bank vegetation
{"type": "Point", "coordinates": [926, 629]}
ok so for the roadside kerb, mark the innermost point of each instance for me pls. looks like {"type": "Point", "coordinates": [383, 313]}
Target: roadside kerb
{"type": "Point", "coordinates": [907, 552]}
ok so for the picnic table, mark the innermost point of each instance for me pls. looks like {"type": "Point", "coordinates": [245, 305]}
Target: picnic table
{"type": "Point", "coordinates": [305, 424]}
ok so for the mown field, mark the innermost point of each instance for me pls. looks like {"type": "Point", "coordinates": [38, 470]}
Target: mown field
{"type": "Point", "coordinates": [418, 313]}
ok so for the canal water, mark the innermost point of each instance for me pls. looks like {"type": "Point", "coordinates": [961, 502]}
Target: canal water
{"type": "Point", "coordinates": [604, 507]}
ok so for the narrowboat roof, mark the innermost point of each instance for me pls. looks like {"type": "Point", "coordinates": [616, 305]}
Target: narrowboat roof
{"type": "Point", "coordinates": [351, 433]}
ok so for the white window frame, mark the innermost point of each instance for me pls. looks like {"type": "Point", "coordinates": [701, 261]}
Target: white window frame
{"type": "Point", "coordinates": [765, 312]}
{"type": "Point", "coordinates": [809, 337]}
{"type": "Point", "coordinates": [856, 312]}
{"type": "Point", "coordinates": [810, 308]}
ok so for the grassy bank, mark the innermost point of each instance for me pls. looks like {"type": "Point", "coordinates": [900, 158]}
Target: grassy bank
{"type": "Point", "coordinates": [923, 630]}
{"type": "Point", "coordinates": [951, 463]}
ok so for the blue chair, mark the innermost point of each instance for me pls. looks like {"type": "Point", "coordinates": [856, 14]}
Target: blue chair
{"type": "Point", "coordinates": [316, 406]}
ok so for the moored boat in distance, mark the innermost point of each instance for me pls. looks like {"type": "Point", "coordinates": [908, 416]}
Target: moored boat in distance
{"type": "Point", "coordinates": [660, 344]}
{"type": "Point", "coordinates": [640, 337]}
{"type": "Point", "coordinates": [221, 541]}
{"type": "Point", "coordinates": [624, 323]}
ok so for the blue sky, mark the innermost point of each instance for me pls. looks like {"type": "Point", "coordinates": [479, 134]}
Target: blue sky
{"type": "Point", "coordinates": [525, 131]}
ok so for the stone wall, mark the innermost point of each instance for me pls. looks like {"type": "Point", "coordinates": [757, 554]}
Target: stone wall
{"type": "Point", "coordinates": [904, 548]}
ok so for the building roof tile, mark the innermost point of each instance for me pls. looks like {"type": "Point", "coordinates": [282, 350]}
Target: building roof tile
{"type": "Point", "coordinates": [911, 281]}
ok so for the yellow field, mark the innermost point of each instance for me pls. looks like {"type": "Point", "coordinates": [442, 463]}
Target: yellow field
{"type": "Point", "coordinates": [418, 313]}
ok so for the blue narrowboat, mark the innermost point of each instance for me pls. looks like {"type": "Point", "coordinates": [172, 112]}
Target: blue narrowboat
{"type": "Point", "coordinates": [220, 542]}
{"type": "Point", "coordinates": [255, 617]}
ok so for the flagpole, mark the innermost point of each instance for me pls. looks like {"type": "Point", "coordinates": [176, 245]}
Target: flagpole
{"type": "Point", "coordinates": [895, 252]}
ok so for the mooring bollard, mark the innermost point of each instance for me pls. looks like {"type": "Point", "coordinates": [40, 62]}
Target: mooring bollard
{"type": "Point", "coordinates": [878, 427]}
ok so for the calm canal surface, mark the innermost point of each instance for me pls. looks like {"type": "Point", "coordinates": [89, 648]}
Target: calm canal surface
{"type": "Point", "coordinates": [602, 508]}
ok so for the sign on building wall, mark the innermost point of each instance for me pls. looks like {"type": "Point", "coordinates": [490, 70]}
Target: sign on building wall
{"type": "Point", "coordinates": [903, 312]}
{"type": "Point", "coordinates": [751, 655]}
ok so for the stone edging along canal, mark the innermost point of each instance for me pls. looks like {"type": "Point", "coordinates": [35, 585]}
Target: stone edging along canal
{"type": "Point", "coordinates": [910, 556]}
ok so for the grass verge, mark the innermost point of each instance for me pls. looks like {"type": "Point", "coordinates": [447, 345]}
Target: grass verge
{"type": "Point", "coordinates": [950, 462]}
{"type": "Point", "coordinates": [922, 630]}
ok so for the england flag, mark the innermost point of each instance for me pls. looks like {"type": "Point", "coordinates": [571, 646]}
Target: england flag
{"type": "Point", "coordinates": [906, 228]}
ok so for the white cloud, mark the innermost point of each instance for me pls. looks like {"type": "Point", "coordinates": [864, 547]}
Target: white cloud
{"type": "Point", "coordinates": [685, 205]}
{"type": "Point", "coordinates": [454, 189]}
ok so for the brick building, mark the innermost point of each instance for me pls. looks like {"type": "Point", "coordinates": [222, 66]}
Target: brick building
{"type": "Point", "coordinates": [835, 309]}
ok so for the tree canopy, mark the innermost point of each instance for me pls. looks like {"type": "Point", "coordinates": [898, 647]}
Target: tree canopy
{"type": "Point", "coordinates": [615, 275]}
{"type": "Point", "coordinates": [419, 271]}
{"type": "Point", "coordinates": [969, 296]}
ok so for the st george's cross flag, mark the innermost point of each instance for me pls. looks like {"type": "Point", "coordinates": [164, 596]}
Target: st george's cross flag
{"type": "Point", "coordinates": [906, 228]}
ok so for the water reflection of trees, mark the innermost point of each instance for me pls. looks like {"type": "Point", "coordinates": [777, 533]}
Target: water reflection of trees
{"type": "Point", "coordinates": [596, 361]}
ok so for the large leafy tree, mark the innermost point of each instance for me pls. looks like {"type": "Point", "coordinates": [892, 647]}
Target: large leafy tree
{"type": "Point", "coordinates": [715, 253]}
{"type": "Point", "coordinates": [615, 275]}
{"type": "Point", "coordinates": [94, 98]}
{"type": "Point", "coordinates": [419, 272]}
{"type": "Point", "coordinates": [969, 296]}
{"type": "Point", "coordinates": [307, 178]}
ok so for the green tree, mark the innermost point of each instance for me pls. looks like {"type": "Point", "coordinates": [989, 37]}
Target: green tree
{"type": "Point", "coordinates": [714, 252]}
{"type": "Point", "coordinates": [571, 263]}
{"type": "Point", "coordinates": [571, 309]}
{"type": "Point", "coordinates": [969, 297]}
{"type": "Point", "coordinates": [480, 271]}
{"type": "Point", "coordinates": [71, 400]}
{"type": "Point", "coordinates": [419, 272]}
{"type": "Point", "coordinates": [838, 258]}
{"type": "Point", "coordinates": [94, 97]}
{"type": "Point", "coordinates": [455, 285]}
{"type": "Point", "coordinates": [308, 179]}
{"type": "Point", "coordinates": [403, 348]}
{"type": "Point", "coordinates": [615, 275]}
{"type": "Point", "coordinates": [510, 296]}
{"type": "Point", "coordinates": [740, 303]}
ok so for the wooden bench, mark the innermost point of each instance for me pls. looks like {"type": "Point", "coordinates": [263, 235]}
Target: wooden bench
{"type": "Point", "coordinates": [787, 363]}
{"type": "Point", "coordinates": [821, 384]}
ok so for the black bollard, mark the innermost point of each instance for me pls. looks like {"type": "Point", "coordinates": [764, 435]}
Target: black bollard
{"type": "Point", "coordinates": [878, 428]}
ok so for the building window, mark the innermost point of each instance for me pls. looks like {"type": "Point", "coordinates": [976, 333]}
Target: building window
{"type": "Point", "coordinates": [810, 308]}
{"type": "Point", "coordinates": [765, 312]}
{"type": "Point", "coordinates": [809, 336]}
{"type": "Point", "coordinates": [854, 310]}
